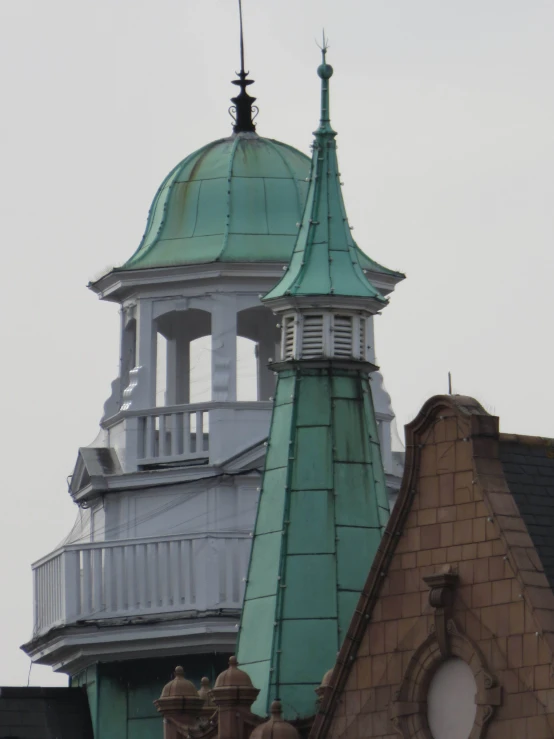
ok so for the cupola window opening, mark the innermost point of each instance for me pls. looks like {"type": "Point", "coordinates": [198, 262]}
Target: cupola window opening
{"type": "Point", "coordinates": [257, 346]}
{"type": "Point", "coordinates": [181, 357]}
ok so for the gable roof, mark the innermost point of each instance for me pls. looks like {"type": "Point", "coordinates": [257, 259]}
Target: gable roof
{"type": "Point", "coordinates": [93, 464]}
{"type": "Point", "coordinates": [517, 491]}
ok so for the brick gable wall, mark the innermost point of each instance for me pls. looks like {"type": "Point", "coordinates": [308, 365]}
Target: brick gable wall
{"type": "Point", "coordinates": [455, 520]}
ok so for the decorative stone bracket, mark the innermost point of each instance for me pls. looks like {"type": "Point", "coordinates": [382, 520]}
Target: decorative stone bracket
{"type": "Point", "coordinates": [441, 597]}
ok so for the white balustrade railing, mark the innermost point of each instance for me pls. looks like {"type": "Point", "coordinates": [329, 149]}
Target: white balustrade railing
{"type": "Point", "coordinates": [212, 430]}
{"type": "Point", "coordinates": [134, 577]}
{"type": "Point", "coordinates": [173, 435]}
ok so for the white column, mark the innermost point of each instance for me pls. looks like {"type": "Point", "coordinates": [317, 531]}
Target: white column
{"type": "Point", "coordinates": [266, 379]}
{"type": "Point", "coordinates": [144, 395]}
{"type": "Point", "coordinates": [178, 369]}
{"type": "Point", "coordinates": [128, 350]}
{"type": "Point", "coordinates": [224, 348]}
{"type": "Point", "coordinates": [370, 340]}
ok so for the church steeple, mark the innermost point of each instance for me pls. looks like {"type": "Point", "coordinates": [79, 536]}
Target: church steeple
{"type": "Point", "coordinates": [323, 502]}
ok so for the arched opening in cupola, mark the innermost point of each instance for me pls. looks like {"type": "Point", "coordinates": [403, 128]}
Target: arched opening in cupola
{"type": "Point", "coordinates": [183, 363]}
{"type": "Point", "coordinates": [258, 338]}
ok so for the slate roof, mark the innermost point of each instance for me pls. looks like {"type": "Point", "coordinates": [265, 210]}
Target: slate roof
{"type": "Point", "coordinates": [528, 464]}
{"type": "Point", "coordinates": [44, 713]}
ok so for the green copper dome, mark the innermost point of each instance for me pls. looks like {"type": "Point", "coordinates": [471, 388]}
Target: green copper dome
{"type": "Point", "coordinates": [235, 200]}
{"type": "Point", "coordinates": [238, 199]}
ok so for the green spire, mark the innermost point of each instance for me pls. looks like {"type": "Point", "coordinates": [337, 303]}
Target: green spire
{"type": "Point", "coordinates": [325, 260]}
{"type": "Point", "coordinates": [323, 501]}
{"type": "Point", "coordinates": [322, 511]}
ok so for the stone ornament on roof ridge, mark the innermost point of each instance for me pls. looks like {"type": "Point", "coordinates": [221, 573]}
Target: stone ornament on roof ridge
{"type": "Point", "coordinates": [275, 727]}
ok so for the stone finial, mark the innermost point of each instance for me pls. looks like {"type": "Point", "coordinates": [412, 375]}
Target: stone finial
{"type": "Point", "coordinates": [179, 686]}
{"type": "Point", "coordinates": [325, 686]}
{"type": "Point", "coordinates": [179, 704]}
{"type": "Point", "coordinates": [233, 677]}
{"type": "Point", "coordinates": [205, 692]}
{"type": "Point", "coordinates": [275, 727]}
{"type": "Point", "coordinates": [234, 687]}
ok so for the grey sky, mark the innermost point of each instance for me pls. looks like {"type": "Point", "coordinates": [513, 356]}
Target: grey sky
{"type": "Point", "coordinates": [445, 116]}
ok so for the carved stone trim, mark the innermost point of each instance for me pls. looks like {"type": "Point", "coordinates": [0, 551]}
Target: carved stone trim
{"type": "Point", "coordinates": [409, 706]}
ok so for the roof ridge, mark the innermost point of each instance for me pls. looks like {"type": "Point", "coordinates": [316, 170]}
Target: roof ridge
{"type": "Point", "coordinates": [525, 439]}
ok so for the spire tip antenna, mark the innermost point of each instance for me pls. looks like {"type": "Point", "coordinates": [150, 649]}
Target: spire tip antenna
{"type": "Point", "coordinates": [241, 38]}
{"type": "Point", "coordinates": [324, 46]}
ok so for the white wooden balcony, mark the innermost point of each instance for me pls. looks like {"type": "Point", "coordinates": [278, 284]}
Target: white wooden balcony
{"type": "Point", "coordinates": [170, 574]}
{"type": "Point", "coordinates": [213, 431]}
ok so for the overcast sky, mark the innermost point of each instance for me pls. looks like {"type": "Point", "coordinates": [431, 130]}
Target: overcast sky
{"type": "Point", "coordinates": [445, 117]}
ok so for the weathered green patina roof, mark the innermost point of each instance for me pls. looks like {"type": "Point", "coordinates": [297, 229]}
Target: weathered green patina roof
{"type": "Point", "coordinates": [322, 510]}
{"type": "Point", "coordinates": [237, 199]}
{"type": "Point", "coordinates": [325, 261]}
{"type": "Point", "coordinates": [323, 502]}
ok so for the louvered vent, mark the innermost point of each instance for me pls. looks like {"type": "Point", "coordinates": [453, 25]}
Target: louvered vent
{"type": "Point", "coordinates": [312, 336]}
{"type": "Point", "coordinates": [362, 338]}
{"type": "Point", "coordinates": [342, 336]}
{"type": "Point", "coordinates": [288, 337]}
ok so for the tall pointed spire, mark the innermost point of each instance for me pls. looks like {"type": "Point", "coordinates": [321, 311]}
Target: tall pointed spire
{"type": "Point", "coordinates": [325, 259]}
{"type": "Point", "coordinates": [323, 502]}
{"type": "Point", "coordinates": [243, 110]}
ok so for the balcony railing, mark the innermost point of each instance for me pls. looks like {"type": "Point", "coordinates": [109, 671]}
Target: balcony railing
{"type": "Point", "coordinates": [213, 430]}
{"type": "Point", "coordinates": [82, 582]}
{"type": "Point", "coordinates": [168, 436]}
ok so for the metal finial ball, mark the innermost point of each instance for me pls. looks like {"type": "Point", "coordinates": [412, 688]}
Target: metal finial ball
{"type": "Point", "coordinates": [325, 71]}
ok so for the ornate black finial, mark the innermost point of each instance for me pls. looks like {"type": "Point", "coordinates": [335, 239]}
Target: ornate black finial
{"type": "Point", "coordinates": [243, 111]}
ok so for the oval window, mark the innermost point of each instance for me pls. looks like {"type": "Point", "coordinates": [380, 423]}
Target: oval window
{"type": "Point", "coordinates": [451, 706]}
